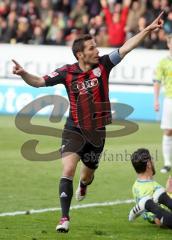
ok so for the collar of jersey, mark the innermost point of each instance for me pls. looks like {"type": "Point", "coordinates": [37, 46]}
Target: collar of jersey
{"type": "Point", "coordinates": [79, 70]}
{"type": "Point", "coordinates": [140, 180]}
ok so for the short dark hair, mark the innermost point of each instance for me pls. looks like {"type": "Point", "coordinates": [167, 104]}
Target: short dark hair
{"type": "Point", "coordinates": [139, 159]}
{"type": "Point", "coordinates": [78, 44]}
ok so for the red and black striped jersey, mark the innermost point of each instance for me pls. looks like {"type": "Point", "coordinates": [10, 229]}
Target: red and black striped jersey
{"type": "Point", "coordinates": [88, 92]}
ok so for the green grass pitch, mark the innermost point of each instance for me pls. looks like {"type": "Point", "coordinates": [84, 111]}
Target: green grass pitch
{"type": "Point", "coordinates": [28, 185]}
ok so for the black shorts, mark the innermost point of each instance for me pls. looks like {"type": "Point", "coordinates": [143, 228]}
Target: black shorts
{"type": "Point", "coordinates": [88, 145]}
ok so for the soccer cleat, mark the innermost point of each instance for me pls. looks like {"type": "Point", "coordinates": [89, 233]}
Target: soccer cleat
{"type": "Point", "coordinates": [157, 194]}
{"type": "Point", "coordinates": [63, 226]}
{"type": "Point", "coordinates": [165, 169]}
{"type": "Point", "coordinates": [81, 192]}
{"type": "Point", "coordinates": [138, 209]}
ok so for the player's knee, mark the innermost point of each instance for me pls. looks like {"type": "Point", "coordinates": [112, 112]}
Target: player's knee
{"type": "Point", "coordinates": [69, 172]}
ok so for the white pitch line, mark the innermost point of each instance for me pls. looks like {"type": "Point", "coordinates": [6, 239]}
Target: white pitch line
{"type": "Point", "coordinates": [89, 205]}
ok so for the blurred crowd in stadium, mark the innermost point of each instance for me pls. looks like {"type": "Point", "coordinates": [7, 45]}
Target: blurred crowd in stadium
{"type": "Point", "coordinates": [58, 22]}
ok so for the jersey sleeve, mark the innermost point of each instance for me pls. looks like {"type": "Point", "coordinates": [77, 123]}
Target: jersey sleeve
{"type": "Point", "coordinates": [159, 72]}
{"type": "Point", "coordinates": [115, 57]}
{"type": "Point", "coordinates": [55, 77]}
{"type": "Point", "coordinates": [111, 60]}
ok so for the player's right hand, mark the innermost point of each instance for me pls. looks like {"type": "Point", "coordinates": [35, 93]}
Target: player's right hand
{"type": "Point", "coordinates": [17, 69]}
{"type": "Point", "coordinates": [156, 106]}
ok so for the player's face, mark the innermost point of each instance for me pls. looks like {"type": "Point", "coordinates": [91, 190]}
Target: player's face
{"type": "Point", "coordinates": [90, 55]}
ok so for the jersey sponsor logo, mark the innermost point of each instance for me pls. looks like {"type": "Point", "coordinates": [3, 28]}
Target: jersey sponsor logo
{"type": "Point", "coordinates": [53, 74]}
{"type": "Point", "coordinates": [97, 72]}
{"type": "Point", "coordinates": [82, 87]}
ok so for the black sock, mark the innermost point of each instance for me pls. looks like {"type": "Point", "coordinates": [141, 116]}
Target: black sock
{"type": "Point", "coordinates": [163, 215]}
{"type": "Point", "coordinates": [165, 200]}
{"type": "Point", "coordinates": [65, 193]}
{"type": "Point", "coordinates": [84, 185]}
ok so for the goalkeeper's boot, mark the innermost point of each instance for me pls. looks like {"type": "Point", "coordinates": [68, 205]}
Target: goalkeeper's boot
{"type": "Point", "coordinates": [138, 209]}
{"type": "Point", "coordinates": [63, 226]}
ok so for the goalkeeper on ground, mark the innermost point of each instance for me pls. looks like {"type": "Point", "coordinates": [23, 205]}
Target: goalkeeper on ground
{"type": "Point", "coordinates": [149, 195]}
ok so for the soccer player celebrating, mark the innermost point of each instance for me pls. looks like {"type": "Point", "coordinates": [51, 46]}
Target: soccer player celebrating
{"type": "Point", "coordinates": [163, 75]}
{"type": "Point", "coordinates": [149, 194]}
{"type": "Point", "coordinates": [86, 83]}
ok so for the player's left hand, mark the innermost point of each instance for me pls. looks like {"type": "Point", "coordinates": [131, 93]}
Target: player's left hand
{"type": "Point", "coordinates": [156, 106]}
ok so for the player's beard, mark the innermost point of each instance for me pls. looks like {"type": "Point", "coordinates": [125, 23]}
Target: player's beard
{"type": "Point", "coordinates": [88, 62]}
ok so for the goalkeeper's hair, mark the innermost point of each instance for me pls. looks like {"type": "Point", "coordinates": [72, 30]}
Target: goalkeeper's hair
{"type": "Point", "coordinates": [139, 159]}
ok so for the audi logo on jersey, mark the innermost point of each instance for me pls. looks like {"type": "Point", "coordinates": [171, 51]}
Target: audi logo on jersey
{"type": "Point", "coordinates": [82, 87]}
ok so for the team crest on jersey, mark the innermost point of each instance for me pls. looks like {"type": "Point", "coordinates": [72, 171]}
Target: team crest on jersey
{"type": "Point", "coordinates": [53, 74]}
{"type": "Point", "coordinates": [97, 72]}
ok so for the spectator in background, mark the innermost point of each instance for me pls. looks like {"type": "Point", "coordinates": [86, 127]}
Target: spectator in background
{"type": "Point", "coordinates": [102, 37]}
{"type": "Point", "coordinates": [93, 8]}
{"type": "Point", "coordinates": [23, 33]}
{"type": "Point", "coordinates": [96, 24]}
{"type": "Point", "coordinates": [137, 9]}
{"type": "Point", "coordinates": [168, 23]}
{"type": "Point", "coordinates": [77, 12]}
{"type": "Point", "coordinates": [4, 8]}
{"type": "Point", "coordinates": [162, 40]}
{"type": "Point", "coordinates": [45, 8]}
{"type": "Point", "coordinates": [63, 6]}
{"type": "Point", "coordinates": [153, 11]}
{"type": "Point", "coordinates": [116, 23]}
{"type": "Point", "coordinates": [85, 24]}
{"type": "Point", "coordinates": [38, 36]}
{"type": "Point", "coordinates": [3, 28]}
{"type": "Point", "coordinates": [72, 36]}
{"type": "Point", "coordinates": [54, 29]}
{"type": "Point", "coordinates": [9, 34]}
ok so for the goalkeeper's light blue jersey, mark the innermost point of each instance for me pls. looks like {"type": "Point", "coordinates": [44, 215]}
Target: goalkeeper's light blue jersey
{"type": "Point", "coordinates": [142, 188]}
{"type": "Point", "coordinates": [163, 74]}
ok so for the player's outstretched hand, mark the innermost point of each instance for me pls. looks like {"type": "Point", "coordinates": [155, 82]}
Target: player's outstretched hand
{"type": "Point", "coordinates": [157, 23]}
{"type": "Point", "coordinates": [17, 69]}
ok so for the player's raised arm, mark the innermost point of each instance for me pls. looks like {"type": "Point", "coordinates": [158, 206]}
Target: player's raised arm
{"type": "Point", "coordinates": [157, 87]}
{"type": "Point", "coordinates": [30, 79]}
{"type": "Point", "coordinates": [138, 38]}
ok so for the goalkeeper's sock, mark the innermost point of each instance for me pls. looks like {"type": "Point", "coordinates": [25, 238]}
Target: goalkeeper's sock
{"type": "Point", "coordinates": [65, 193]}
{"type": "Point", "coordinates": [167, 150]}
{"type": "Point", "coordinates": [163, 215]}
